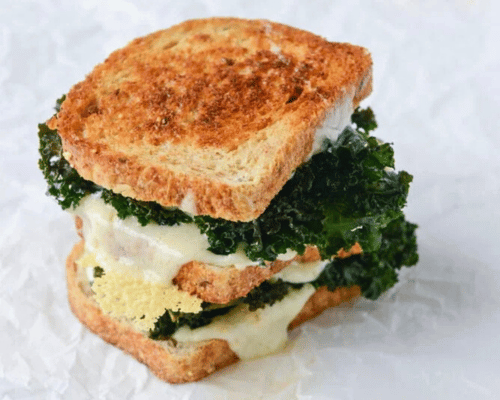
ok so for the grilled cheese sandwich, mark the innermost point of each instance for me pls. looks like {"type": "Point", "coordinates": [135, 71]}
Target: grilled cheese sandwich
{"type": "Point", "coordinates": [226, 189]}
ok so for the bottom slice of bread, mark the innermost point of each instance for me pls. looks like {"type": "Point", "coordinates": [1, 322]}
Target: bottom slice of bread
{"type": "Point", "coordinates": [169, 360]}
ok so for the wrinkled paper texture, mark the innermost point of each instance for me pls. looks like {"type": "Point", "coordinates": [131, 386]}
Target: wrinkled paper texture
{"type": "Point", "coordinates": [436, 85]}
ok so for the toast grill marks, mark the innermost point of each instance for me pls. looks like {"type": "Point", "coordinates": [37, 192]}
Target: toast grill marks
{"type": "Point", "coordinates": [233, 138]}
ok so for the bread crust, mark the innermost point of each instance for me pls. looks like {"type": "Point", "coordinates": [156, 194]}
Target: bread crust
{"type": "Point", "coordinates": [219, 111]}
{"type": "Point", "coordinates": [223, 284]}
{"type": "Point", "coordinates": [169, 360]}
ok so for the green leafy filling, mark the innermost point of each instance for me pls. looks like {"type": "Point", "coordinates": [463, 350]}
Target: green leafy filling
{"type": "Point", "coordinates": [343, 195]}
{"type": "Point", "coordinates": [374, 272]}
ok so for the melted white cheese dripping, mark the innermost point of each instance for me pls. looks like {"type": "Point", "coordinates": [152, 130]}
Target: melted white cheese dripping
{"type": "Point", "coordinates": [157, 252]}
{"type": "Point", "coordinates": [252, 334]}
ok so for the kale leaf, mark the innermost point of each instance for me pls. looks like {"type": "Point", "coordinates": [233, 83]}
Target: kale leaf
{"type": "Point", "coordinates": [98, 272]}
{"type": "Point", "coordinates": [375, 272]}
{"type": "Point", "coordinates": [170, 321]}
{"type": "Point", "coordinates": [144, 211]}
{"type": "Point", "coordinates": [268, 293]}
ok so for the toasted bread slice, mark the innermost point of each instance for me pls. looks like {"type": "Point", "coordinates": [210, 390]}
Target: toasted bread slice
{"type": "Point", "coordinates": [223, 284]}
{"type": "Point", "coordinates": [210, 115]}
{"type": "Point", "coordinates": [169, 360]}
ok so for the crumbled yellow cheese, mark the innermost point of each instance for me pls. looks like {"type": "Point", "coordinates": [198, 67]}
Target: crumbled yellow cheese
{"type": "Point", "coordinates": [123, 295]}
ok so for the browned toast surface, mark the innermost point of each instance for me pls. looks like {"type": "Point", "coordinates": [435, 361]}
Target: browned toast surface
{"type": "Point", "coordinates": [169, 360]}
{"type": "Point", "coordinates": [220, 111]}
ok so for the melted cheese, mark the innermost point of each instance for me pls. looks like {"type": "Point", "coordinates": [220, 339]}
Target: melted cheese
{"type": "Point", "coordinates": [156, 251]}
{"type": "Point", "coordinates": [335, 122]}
{"type": "Point", "coordinates": [125, 295]}
{"type": "Point", "coordinates": [252, 334]}
{"type": "Point", "coordinates": [302, 272]}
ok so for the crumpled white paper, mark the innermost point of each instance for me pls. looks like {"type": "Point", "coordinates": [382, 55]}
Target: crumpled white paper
{"type": "Point", "coordinates": [434, 336]}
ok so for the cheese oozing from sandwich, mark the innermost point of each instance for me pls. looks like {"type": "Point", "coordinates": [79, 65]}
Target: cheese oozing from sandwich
{"type": "Point", "coordinates": [141, 261]}
{"type": "Point", "coordinates": [157, 252]}
{"type": "Point", "coordinates": [252, 334]}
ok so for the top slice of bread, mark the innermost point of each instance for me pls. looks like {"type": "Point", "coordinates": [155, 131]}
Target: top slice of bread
{"type": "Point", "coordinates": [211, 115]}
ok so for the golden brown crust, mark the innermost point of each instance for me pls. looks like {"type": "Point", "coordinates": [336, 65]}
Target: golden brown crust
{"type": "Point", "coordinates": [172, 361]}
{"type": "Point", "coordinates": [222, 110]}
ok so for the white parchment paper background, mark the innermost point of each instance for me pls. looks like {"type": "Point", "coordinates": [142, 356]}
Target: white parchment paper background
{"type": "Point", "coordinates": [436, 95]}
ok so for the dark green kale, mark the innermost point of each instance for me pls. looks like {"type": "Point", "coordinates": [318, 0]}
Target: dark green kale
{"type": "Point", "coordinates": [170, 321]}
{"type": "Point", "coordinates": [164, 327]}
{"type": "Point", "coordinates": [268, 293]}
{"type": "Point", "coordinates": [364, 119]}
{"type": "Point", "coordinates": [144, 211]}
{"type": "Point", "coordinates": [374, 272]}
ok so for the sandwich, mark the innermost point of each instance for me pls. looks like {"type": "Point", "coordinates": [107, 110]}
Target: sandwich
{"type": "Point", "coordinates": [226, 187]}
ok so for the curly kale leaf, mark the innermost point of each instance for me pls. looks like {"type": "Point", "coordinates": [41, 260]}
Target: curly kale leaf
{"type": "Point", "coordinates": [375, 272]}
{"type": "Point", "coordinates": [144, 211]}
{"type": "Point", "coordinates": [268, 293]}
{"type": "Point", "coordinates": [170, 321]}
{"type": "Point", "coordinates": [65, 184]}
{"type": "Point", "coordinates": [164, 327]}
{"type": "Point", "coordinates": [364, 119]}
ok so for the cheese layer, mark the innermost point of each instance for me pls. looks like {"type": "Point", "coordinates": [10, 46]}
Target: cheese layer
{"type": "Point", "coordinates": [252, 334]}
{"type": "Point", "coordinates": [157, 252]}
